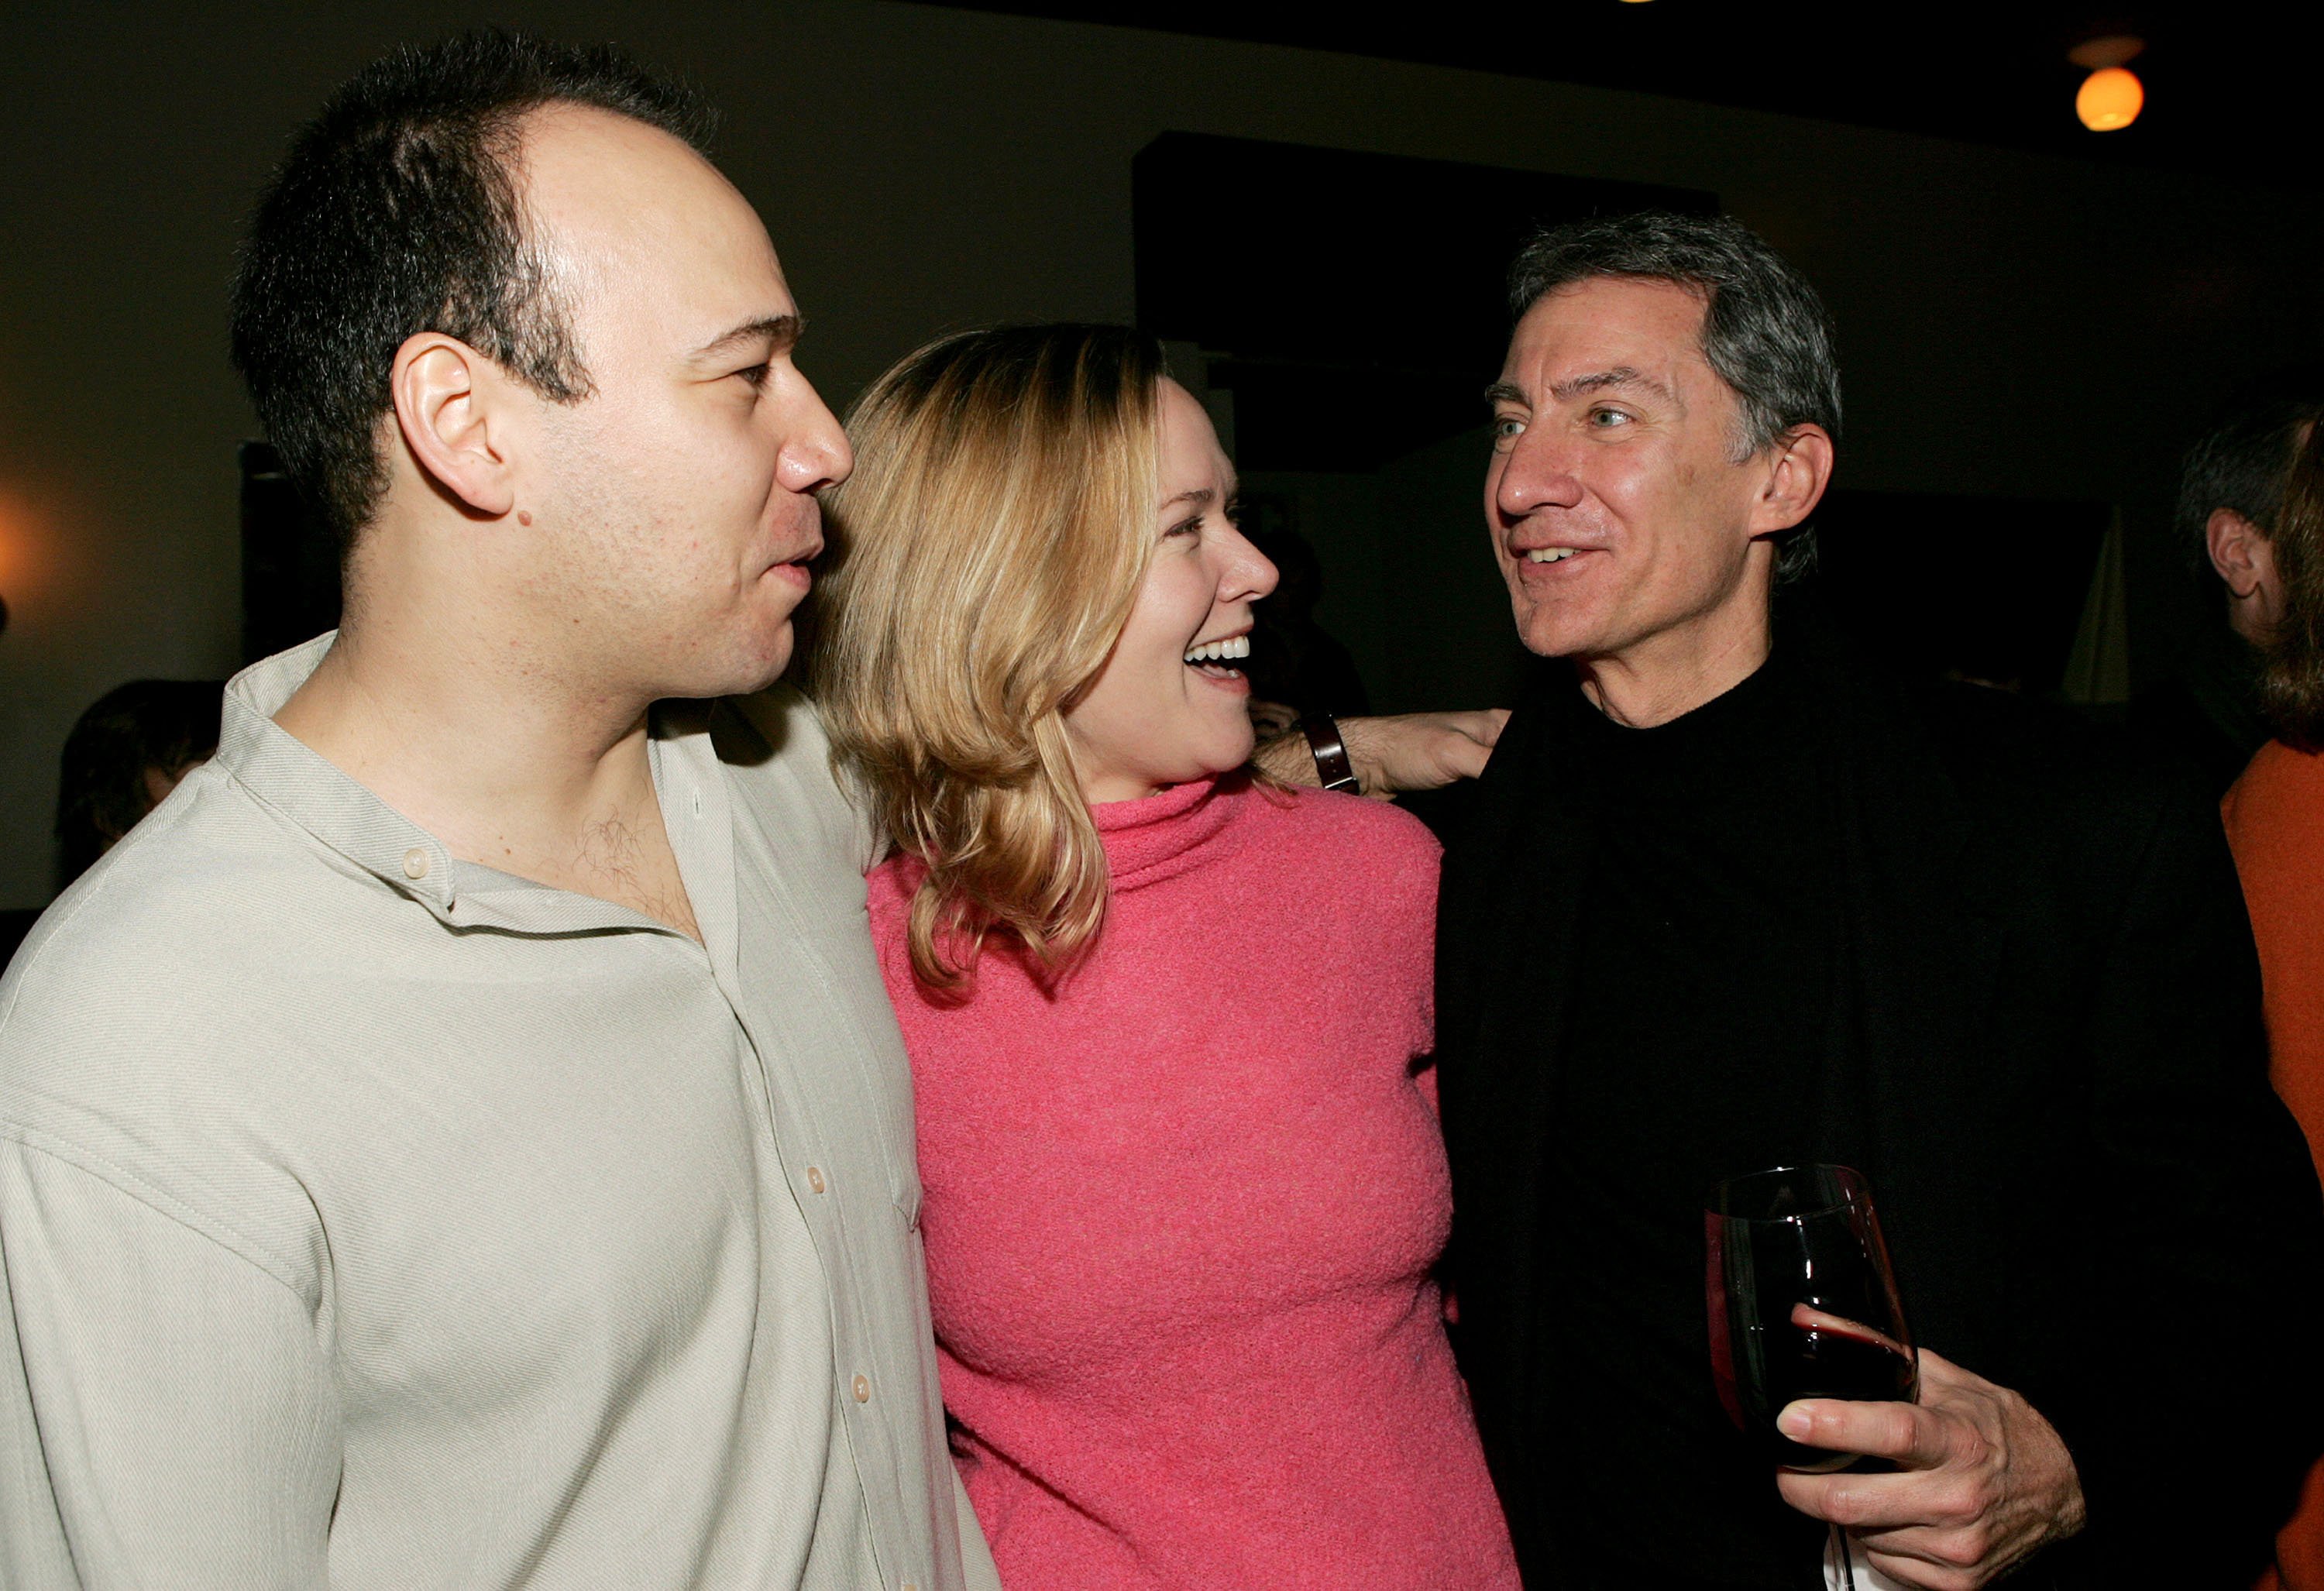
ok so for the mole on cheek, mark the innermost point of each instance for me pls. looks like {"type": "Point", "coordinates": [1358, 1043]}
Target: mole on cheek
{"type": "Point", "coordinates": [523, 518]}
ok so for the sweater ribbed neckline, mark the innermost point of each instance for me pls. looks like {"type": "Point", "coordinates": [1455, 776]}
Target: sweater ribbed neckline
{"type": "Point", "coordinates": [1159, 836]}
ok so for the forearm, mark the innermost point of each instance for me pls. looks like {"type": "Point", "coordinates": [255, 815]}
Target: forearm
{"type": "Point", "coordinates": [1390, 755]}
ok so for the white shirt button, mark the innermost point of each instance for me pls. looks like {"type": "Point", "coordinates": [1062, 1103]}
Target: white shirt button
{"type": "Point", "coordinates": [862, 1390]}
{"type": "Point", "coordinates": [415, 863]}
{"type": "Point", "coordinates": [814, 1179]}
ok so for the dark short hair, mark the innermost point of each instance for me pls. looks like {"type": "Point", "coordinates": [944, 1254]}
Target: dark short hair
{"type": "Point", "coordinates": [1765, 331]}
{"type": "Point", "coordinates": [2244, 457]}
{"type": "Point", "coordinates": [397, 212]}
{"type": "Point", "coordinates": [160, 723]}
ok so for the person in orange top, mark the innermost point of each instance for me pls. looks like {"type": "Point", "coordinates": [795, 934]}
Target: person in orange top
{"type": "Point", "coordinates": [2271, 555]}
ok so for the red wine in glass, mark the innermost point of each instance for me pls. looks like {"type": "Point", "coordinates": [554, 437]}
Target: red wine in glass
{"type": "Point", "coordinates": [1802, 1304]}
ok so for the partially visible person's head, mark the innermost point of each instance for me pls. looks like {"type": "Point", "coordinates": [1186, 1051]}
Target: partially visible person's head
{"type": "Point", "coordinates": [1037, 545]}
{"type": "Point", "coordinates": [1663, 426]}
{"type": "Point", "coordinates": [2292, 647]}
{"type": "Point", "coordinates": [124, 755]}
{"type": "Point", "coordinates": [2231, 493]}
{"type": "Point", "coordinates": [497, 303]}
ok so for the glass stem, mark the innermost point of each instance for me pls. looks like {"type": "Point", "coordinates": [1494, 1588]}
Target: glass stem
{"type": "Point", "coordinates": [1844, 1557]}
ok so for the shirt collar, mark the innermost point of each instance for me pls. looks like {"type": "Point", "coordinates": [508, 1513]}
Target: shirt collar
{"type": "Point", "coordinates": [313, 794]}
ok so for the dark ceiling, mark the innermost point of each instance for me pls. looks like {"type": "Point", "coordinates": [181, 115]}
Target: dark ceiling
{"type": "Point", "coordinates": [2231, 89]}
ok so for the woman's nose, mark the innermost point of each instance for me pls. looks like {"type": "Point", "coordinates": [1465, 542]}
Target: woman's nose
{"type": "Point", "coordinates": [1249, 576]}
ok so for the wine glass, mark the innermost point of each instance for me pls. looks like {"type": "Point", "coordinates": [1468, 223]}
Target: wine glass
{"type": "Point", "coordinates": [1802, 1304]}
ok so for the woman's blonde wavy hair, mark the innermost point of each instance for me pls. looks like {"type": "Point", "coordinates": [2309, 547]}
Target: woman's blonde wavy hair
{"type": "Point", "coordinates": [990, 541]}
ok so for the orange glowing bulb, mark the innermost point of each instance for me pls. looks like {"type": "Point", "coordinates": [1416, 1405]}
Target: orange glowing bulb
{"type": "Point", "coordinates": [2110, 99]}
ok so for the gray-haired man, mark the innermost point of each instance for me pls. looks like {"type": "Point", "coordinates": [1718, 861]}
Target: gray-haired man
{"type": "Point", "coordinates": [1733, 900]}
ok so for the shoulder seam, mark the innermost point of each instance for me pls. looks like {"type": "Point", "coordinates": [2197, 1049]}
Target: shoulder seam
{"type": "Point", "coordinates": [132, 1187]}
{"type": "Point", "coordinates": [97, 886]}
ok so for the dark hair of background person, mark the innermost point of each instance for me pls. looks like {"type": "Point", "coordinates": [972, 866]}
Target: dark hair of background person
{"type": "Point", "coordinates": [397, 211]}
{"type": "Point", "coordinates": [148, 727]}
{"type": "Point", "coordinates": [1765, 331]}
{"type": "Point", "coordinates": [2243, 459]}
{"type": "Point", "coordinates": [2291, 676]}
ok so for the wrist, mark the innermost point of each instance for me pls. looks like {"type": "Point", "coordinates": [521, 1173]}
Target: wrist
{"type": "Point", "coordinates": [1333, 769]}
{"type": "Point", "coordinates": [1285, 759]}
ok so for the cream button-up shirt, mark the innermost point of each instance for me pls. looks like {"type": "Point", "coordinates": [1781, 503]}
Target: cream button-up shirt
{"type": "Point", "coordinates": [371, 1218]}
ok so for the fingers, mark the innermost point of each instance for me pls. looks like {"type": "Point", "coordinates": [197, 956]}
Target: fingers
{"type": "Point", "coordinates": [1985, 1479]}
{"type": "Point", "coordinates": [1941, 1375]}
{"type": "Point", "coordinates": [1919, 1574]}
{"type": "Point", "coordinates": [1417, 750]}
{"type": "Point", "coordinates": [1948, 1502]}
{"type": "Point", "coordinates": [1911, 1437]}
{"type": "Point", "coordinates": [1463, 756]}
{"type": "Point", "coordinates": [1937, 1560]}
{"type": "Point", "coordinates": [1482, 726]}
{"type": "Point", "coordinates": [1922, 1530]}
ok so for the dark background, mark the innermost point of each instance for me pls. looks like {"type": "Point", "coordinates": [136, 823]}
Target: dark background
{"type": "Point", "coordinates": [2033, 319]}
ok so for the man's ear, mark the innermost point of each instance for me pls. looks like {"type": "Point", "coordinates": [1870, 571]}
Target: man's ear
{"type": "Point", "coordinates": [1800, 471]}
{"type": "Point", "coordinates": [2244, 559]}
{"type": "Point", "coordinates": [2239, 551]}
{"type": "Point", "coordinates": [448, 407]}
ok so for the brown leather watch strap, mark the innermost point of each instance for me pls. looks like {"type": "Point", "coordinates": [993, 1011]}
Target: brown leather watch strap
{"type": "Point", "coordinates": [1332, 768]}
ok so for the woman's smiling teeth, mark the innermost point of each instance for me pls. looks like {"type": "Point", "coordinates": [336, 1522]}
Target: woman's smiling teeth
{"type": "Point", "coordinates": [1550, 554]}
{"type": "Point", "coordinates": [1219, 655]}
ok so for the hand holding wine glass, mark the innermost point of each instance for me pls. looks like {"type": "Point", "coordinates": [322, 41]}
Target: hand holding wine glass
{"type": "Point", "coordinates": [1813, 1357]}
{"type": "Point", "coordinates": [1803, 1305]}
{"type": "Point", "coordinates": [1980, 1479]}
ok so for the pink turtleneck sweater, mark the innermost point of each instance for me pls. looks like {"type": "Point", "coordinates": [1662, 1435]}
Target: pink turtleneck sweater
{"type": "Point", "coordinates": [1180, 1214]}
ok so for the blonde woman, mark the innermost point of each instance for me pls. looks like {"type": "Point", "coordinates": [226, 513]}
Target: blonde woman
{"type": "Point", "coordinates": [1183, 1185]}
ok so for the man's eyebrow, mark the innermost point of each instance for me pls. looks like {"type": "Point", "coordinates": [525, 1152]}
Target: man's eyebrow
{"type": "Point", "coordinates": [782, 331]}
{"type": "Point", "coordinates": [1621, 375]}
{"type": "Point", "coordinates": [1503, 392]}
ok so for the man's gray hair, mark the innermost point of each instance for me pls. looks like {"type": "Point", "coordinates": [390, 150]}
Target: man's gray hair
{"type": "Point", "coordinates": [1765, 331]}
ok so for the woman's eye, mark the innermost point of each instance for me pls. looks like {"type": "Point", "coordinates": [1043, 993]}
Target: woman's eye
{"type": "Point", "coordinates": [1184, 528]}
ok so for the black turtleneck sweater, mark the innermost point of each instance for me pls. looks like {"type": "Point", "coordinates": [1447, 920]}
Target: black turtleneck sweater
{"type": "Point", "coordinates": [2050, 1065]}
{"type": "Point", "coordinates": [1702, 1005]}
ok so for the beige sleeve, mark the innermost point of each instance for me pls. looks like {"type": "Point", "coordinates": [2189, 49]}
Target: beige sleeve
{"type": "Point", "coordinates": [167, 1416]}
{"type": "Point", "coordinates": [975, 1556]}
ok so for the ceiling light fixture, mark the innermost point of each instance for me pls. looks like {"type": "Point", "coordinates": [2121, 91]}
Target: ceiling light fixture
{"type": "Point", "coordinates": [2111, 97]}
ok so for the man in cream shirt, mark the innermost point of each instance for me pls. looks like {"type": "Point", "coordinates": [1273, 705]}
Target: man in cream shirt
{"type": "Point", "coordinates": [460, 1140]}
